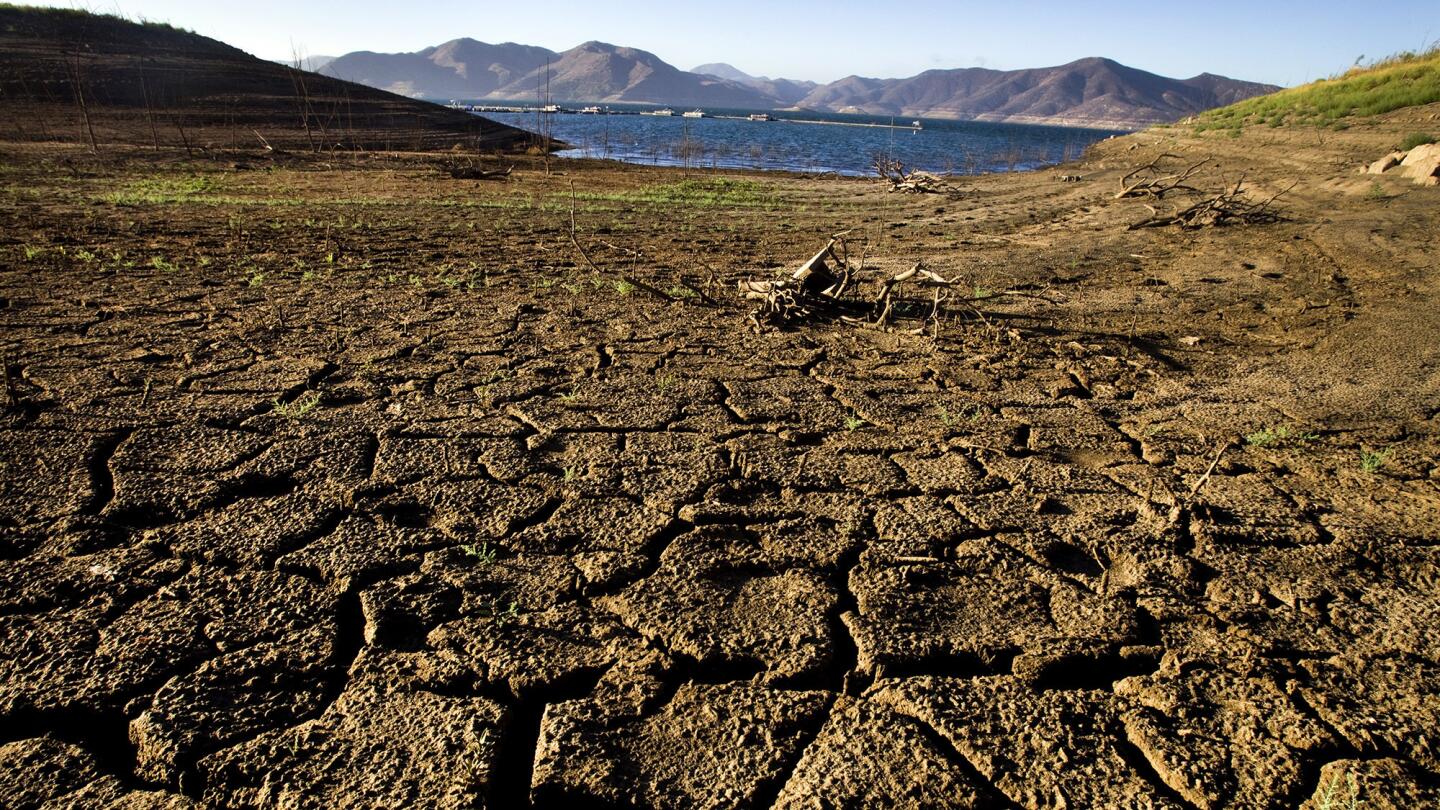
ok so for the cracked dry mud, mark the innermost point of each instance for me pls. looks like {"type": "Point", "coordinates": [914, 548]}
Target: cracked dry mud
{"type": "Point", "coordinates": [294, 518]}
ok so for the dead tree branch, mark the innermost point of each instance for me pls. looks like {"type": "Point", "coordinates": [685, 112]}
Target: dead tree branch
{"type": "Point", "coordinates": [1146, 181]}
{"type": "Point", "coordinates": [1230, 206]}
{"type": "Point", "coordinates": [473, 171]}
{"type": "Point", "coordinates": [817, 290]}
{"type": "Point", "coordinates": [630, 279]}
{"type": "Point", "coordinates": [908, 182]}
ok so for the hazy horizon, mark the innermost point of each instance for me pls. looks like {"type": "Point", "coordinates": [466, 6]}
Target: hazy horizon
{"type": "Point", "coordinates": [1282, 43]}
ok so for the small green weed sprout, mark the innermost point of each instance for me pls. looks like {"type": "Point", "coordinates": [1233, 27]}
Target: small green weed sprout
{"type": "Point", "coordinates": [1376, 192]}
{"type": "Point", "coordinates": [482, 554]}
{"type": "Point", "coordinates": [624, 287]}
{"type": "Point", "coordinates": [297, 408]}
{"type": "Point", "coordinates": [499, 375]}
{"type": "Point", "coordinates": [32, 252]}
{"type": "Point", "coordinates": [1372, 460]}
{"type": "Point", "coordinates": [163, 265]}
{"type": "Point", "coordinates": [1338, 796]}
{"type": "Point", "coordinates": [854, 422]}
{"type": "Point", "coordinates": [682, 292]}
{"type": "Point", "coordinates": [257, 279]}
{"type": "Point", "coordinates": [947, 418]}
{"type": "Point", "coordinates": [1279, 436]}
{"type": "Point", "coordinates": [503, 614]}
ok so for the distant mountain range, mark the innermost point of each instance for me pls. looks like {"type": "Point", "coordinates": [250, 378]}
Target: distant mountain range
{"type": "Point", "coordinates": [1093, 91]}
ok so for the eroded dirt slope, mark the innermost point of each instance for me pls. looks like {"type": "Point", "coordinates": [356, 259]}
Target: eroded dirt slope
{"type": "Point", "coordinates": [351, 484]}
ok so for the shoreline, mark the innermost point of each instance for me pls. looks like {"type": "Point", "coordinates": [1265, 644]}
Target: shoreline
{"type": "Point", "coordinates": [643, 108]}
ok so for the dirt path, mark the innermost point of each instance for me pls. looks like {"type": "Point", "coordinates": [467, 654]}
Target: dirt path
{"type": "Point", "coordinates": [338, 483]}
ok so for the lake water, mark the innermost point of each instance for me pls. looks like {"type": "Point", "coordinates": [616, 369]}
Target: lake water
{"type": "Point", "coordinates": [809, 142]}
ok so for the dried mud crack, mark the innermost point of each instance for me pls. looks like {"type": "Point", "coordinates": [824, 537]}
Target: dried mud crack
{"type": "Point", "coordinates": [347, 482]}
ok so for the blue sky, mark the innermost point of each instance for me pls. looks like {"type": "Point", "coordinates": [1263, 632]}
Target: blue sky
{"type": "Point", "coordinates": [822, 40]}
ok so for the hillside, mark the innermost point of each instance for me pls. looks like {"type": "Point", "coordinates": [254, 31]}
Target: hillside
{"type": "Point", "coordinates": [1088, 91]}
{"type": "Point", "coordinates": [460, 68]}
{"type": "Point", "coordinates": [599, 71]}
{"type": "Point", "coordinates": [156, 84]}
{"type": "Point", "coordinates": [1405, 80]}
{"type": "Point", "coordinates": [593, 71]}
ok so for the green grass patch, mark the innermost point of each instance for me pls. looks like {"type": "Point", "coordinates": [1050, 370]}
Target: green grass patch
{"type": "Point", "coordinates": [153, 192]}
{"type": "Point", "coordinates": [714, 192]}
{"type": "Point", "coordinates": [163, 190]}
{"type": "Point", "coordinates": [1404, 80]}
{"type": "Point", "coordinates": [1280, 436]}
{"type": "Point", "coordinates": [1415, 139]}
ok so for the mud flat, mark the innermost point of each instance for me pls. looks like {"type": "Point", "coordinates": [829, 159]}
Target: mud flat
{"type": "Point", "coordinates": [336, 481]}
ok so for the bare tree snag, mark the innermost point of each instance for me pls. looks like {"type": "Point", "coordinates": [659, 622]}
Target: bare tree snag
{"type": "Point", "coordinates": [77, 84]}
{"type": "Point", "coordinates": [908, 182]}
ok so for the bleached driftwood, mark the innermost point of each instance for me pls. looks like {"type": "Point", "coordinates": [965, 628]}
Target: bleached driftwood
{"type": "Point", "coordinates": [908, 182]}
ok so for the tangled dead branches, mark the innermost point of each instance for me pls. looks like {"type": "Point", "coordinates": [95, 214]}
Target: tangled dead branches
{"type": "Point", "coordinates": [912, 182]}
{"type": "Point", "coordinates": [1230, 206]}
{"type": "Point", "coordinates": [815, 287]}
{"type": "Point", "coordinates": [817, 290]}
{"type": "Point", "coordinates": [1147, 180]}
{"type": "Point", "coordinates": [468, 170]}
{"type": "Point", "coordinates": [884, 306]}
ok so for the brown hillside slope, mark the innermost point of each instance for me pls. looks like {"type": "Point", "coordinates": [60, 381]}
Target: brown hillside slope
{"type": "Point", "coordinates": [151, 83]}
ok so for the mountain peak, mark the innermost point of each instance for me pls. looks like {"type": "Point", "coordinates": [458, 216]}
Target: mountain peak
{"type": "Point", "coordinates": [724, 70]}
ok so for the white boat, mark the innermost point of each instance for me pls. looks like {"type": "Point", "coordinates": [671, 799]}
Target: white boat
{"type": "Point", "coordinates": [663, 111]}
{"type": "Point", "coordinates": [761, 117]}
{"type": "Point", "coordinates": [694, 114]}
{"type": "Point", "coordinates": [591, 111]}
{"type": "Point", "coordinates": [550, 108]}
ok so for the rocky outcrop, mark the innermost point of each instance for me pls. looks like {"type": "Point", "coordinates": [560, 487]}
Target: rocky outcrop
{"type": "Point", "coordinates": [1421, 164]}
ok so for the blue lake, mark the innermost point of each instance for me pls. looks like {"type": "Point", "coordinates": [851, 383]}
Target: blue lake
{"type": "Point", "coordinates": [808, 142]}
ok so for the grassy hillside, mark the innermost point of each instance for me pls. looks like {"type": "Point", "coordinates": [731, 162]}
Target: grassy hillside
{"type": "Point", "coordinates": [1405, 80]}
